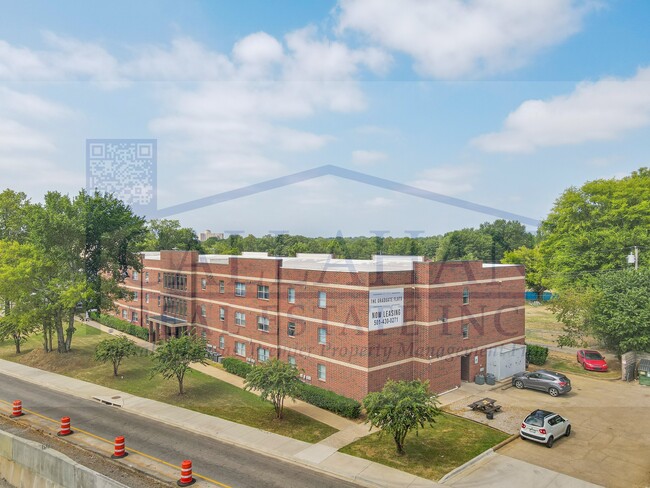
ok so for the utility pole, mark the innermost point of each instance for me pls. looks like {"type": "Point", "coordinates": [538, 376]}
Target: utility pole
{"type": "Point", "coordinates": [634, 258]}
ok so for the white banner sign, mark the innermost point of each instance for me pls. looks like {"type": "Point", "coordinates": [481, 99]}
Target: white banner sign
{"type": "Point", "coordinates": [385, 308]}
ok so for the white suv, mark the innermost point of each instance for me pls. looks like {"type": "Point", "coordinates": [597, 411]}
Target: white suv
{"type": "Point", "coordinates": [545, 427]}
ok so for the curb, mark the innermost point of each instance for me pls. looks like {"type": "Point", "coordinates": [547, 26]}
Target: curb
{"type": "Point", "coordinates": [503, 443]}
{"type": "Point", "coordinates": [463, 467]}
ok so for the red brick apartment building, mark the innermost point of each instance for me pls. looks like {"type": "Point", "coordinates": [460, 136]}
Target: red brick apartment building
{"type": "Point", "coordinates": [348, 324]}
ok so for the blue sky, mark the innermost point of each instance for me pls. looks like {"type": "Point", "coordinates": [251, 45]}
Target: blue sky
{"type": "Point", "coordinates": [499, 102]}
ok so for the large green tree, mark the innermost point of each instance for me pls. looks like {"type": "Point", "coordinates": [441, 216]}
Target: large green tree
{"type": "Point", "coordinates": [620, 316]}
{"type": "Point", "coordinates": [115, 350]}
{"type": "Point", "coordinates": [173, 357]}
{"type": "Point", "coordinates": [168, 234]}
{"type": "Point", "coordinates": [400, 407]}
{"type": "Point", "coordinates": [592, 228]}
{"type": "Point", "coordinates": [275, 380]}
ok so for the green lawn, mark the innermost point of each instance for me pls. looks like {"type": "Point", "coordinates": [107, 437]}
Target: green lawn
{"type": "Point", "coordinates": [203, 393]}
{"type": "Point", "coordinates": [541, 325]}
{"type": "Point", "coordinates": [435, 451]}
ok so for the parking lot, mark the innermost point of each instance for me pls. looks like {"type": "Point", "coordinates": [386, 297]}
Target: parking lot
{"type": "Point", "coordinates": [610, 441]}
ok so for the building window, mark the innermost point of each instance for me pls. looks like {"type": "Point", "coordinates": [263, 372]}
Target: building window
{"type": "Point", "coordinates": [240, 289]}
{"type": "Point", "coordinates": [159, 278]}
{"type": "Point", "coordinates": [222, 287]}
{"type": "Point", "coordinates": [292, 361]}
{"type": "Point", "coordinates": [204, 283]}
{"type": "Point", "coordinates": [175, 281]}
{"type": "Point", "coordinates": [125, 314]}
{"type": "Point", "coordinates": [159, 300]}
{"type": "Point", "coordinates": [204, 336]}
{"type": "Point", "coordinates": [135, 295]}
{"type": "Point", "coordinates": [222, 314]}
{"type": "Point", "coordinates": [263, 324]}
{"type": "Point", "coordinates": [222, 342]}
{"type": "Point", "coordinates": [322, 336]}
{"type": "Point", "coordinates": [465, 329]}
{"type": "Point", "coordinates": [321, 372]}
{"type": "Point", "coordinates": [240, 349]}
{"type": "Point", "coordinates": [146, 277]}
{"type": "Point", "coordinates": [146, 298]}
{"type": "Point", "coordinates": [263, 292]}
{"type": "Point", "coordinates": [203, 311]}
{"type": "Point", "coordinates": [465, 296]}
{"type": "Point", "coordinates": [174, 306]}
{"type": "Point", "coordinates": [135, 275]}
{"type": "Point", "coordinates": [291, 295]}
{"type": "Point", "coordinates": [291, 329]}
{"type": "Point", "coordinates": [322, 299]}
{"type": "Point", "coordinates": [240, 319]}
{"type": "Point", "coordinates": [134, 316]}
{"type": "Point", "coordinates": [262, 354]}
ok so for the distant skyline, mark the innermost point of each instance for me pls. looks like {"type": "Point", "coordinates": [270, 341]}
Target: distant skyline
{"type": "Point", "coordinates": [498, 102]}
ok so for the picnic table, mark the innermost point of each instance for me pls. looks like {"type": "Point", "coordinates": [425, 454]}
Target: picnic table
{"type": "Point", "coordinates": [487, 406]}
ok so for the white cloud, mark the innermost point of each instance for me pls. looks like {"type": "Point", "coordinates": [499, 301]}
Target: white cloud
{"type": "Point", "coordinates": [64, 59]}
{"type": "Point", "coordinates": [364, 157]}
{"type": "Point", "coordinates": [18, 137]}
{"type": "Point", "coordinates": [379, 202]}
{"type": "Point", "coordinates": [595, 111]}
{"type": "Point", "coordinates": [31, 106]}
{"type": "Point", "coordinates": [454, 38]}
{"type": "Point", "coordinates": [447, 180]}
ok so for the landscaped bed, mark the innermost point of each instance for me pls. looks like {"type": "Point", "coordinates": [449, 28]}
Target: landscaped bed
{"type": "Point", "coordinates": [203, 393]}
{"type": "Point", "coordinates": [451, 442]}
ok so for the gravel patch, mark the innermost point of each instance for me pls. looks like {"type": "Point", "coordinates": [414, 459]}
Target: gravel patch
{"type": "Point", "coordinates": [507, 420]}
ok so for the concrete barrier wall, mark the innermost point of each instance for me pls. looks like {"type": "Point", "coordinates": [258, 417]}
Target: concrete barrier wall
{"type": "Point", "coordinates": [29, 464]}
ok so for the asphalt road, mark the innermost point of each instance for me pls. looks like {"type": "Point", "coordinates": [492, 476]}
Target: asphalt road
{"type": "Point", "coordinates": [233, 466]}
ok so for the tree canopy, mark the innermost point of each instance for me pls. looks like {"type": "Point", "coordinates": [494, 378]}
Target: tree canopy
{"type": "Point", "coordinates": [400, 407]}
{"type": "Point", "coordinates": [593, 228]}
{"type": "Point", "coordinates": [173, 357]}
{"type": "Point", "coordinates": [114, 350]}
{"type": "Point", "coordinates": [275, 380]}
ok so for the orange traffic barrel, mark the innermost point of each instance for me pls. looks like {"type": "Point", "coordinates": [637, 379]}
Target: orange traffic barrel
{"type": "Point", "coordinates": [186, 474]}
{"type": "Point", "coordinates": [120, 450]}
{"type": "Point", "coordinates": [17, 410]}
{"type": "Point", "coordinates": [65, 427]}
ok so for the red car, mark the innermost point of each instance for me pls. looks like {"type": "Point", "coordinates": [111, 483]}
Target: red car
{"type": "Point", "coordinates": [591, 360]}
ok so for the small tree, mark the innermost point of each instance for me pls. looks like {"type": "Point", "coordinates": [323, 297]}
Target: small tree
{"type": "Point", "coordinates": [173, 357]}
{"type": "Point", "coordinates": [400, 407]}
{"type": "Point", "coordinates": [275, 380]}
{"type": "Point", "coordinates": [115, 350]}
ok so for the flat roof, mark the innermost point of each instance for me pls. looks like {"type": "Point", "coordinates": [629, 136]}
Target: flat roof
{"type": "Point", "coordinates": [325, 262]}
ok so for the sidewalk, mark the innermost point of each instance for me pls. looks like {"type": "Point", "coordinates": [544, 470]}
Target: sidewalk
{"type": "Point", "coordinates": [342, 466]}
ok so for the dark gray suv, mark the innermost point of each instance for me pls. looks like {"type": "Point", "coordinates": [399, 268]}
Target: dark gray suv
{"type": "Point", "coordinates": [553, 383]}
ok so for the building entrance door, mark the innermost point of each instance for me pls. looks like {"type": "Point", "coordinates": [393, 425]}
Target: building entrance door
{"type": "Point", "coordinates": [464, 368]}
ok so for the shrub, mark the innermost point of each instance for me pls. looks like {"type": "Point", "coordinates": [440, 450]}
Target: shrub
{"type": "Point", "coordinates": [325, 399]}
{"type": "Point", "coordinates": [328, 400]}
{"type": "Point", "coordinates": [536, 354]}
{"type": "Point", "coordinates": [236, 366]}
{"type": "Point", "coordinates": [121, 325]}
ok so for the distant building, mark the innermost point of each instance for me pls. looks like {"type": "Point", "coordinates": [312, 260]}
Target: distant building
{"type": "Point", "coordinates": [204, 236]}
{"type": "Point", "coordinates": [349, 325]}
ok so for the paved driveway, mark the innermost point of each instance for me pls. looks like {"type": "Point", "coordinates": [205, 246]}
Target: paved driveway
{"type": "Point", "coordinates": [610, 440]}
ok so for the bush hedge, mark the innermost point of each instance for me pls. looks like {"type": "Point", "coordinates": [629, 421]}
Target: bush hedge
{"type": "Point", "coordinates": [328, 400]}
{"type": "Point", "coordinates": [319, 397]}
{"type": "Point", "coordinates": [536, 354]}
{"type": "Point", "coordinates": [121, 325]}
{"type": "Point", "coordinates": [236, 366]}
